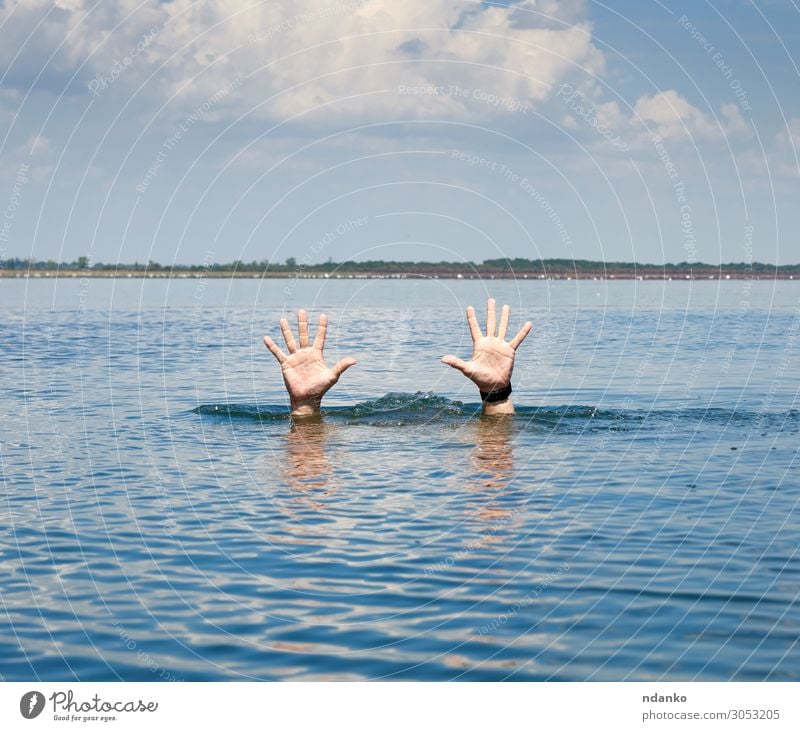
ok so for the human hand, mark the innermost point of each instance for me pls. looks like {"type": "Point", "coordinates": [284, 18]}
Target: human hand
{"type": "Point", "coordinates": [492, 359]}
{"type": "Point", "coordinates": [305, 374]}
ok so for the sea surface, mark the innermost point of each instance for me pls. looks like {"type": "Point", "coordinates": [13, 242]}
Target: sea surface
{"type": "Point", "coordinates": [163, 518]}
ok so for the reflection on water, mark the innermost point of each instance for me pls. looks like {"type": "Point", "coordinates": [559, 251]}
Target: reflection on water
{"type": "Point", "coordinates": [493, 461]}
{"type": "Point", "coordinates": [492, 454]}
{"type": "Point", "coordinates": [307, 467]}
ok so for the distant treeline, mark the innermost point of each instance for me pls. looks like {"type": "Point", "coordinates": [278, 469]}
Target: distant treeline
{"type": "Point", "coordinates": [489, 267]}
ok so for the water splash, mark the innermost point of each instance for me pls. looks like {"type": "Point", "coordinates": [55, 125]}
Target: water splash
{"type": "Point", "coordinates": [429, 407]}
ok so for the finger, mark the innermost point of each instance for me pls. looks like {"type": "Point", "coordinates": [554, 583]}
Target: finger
{"type": "Point", "coordinates": [287, 335]}
{"type": "Point", "coordinates": [491, 319]}
{"type": "Point", "coordinates": [501, 331]}
{"type": "Point", "coordinates": [474, 328]}
{"type": "Point", "coordinates": [302, 327]}
{"type": "Point", "coordinates": [454, 362]}
{"type": "Point", "coordinates": [521, 335]}
{"type": "Point", "coordinates": [343, 365]}
{"type": "Point", "coordinates": [280, 356]}
{"type": "Point", "coordinates": [322, 331]}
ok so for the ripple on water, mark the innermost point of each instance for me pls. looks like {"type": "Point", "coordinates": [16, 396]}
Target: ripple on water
{"type": "Point", "coordinates": [403, 537]}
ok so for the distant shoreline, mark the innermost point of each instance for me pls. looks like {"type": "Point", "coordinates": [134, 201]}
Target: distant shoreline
{"type": "Point", "coordinates": [505, 268]}
{"type": "Point", "coordinates": [638, 274]}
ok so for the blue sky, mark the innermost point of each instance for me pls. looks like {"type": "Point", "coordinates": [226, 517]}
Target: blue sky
{"type": "Point", "coordinates": [180, 131]}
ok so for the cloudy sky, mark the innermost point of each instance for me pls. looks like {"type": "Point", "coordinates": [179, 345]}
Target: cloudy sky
{"type": "Point", "coordinates": [377, 129]}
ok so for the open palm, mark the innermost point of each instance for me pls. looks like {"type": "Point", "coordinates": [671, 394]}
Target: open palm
{"type": "Point", "coordinates": [305, 373]}
{"type": "Point", "coordinates": [492, 360]}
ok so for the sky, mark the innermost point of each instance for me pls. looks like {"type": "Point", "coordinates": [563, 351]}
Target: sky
{"type": "Point", "coordinates": [189, 132]}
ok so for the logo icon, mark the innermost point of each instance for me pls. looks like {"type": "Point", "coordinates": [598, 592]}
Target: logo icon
{"type": "Point", "coordinates": [31, 704]}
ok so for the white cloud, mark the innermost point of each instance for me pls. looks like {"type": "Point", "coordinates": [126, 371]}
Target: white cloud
{"type": "Point", "coordinates": [322, 60]}
{"type": "Point", "coordinates": [37, 145]}
{"type": "Point", "coordinates": [667, 114]}
{"type": "Point", "coordinates": [734, 123]}
{"type": "Point", "coordinates": [790, 134]}
{"type": "Point", "coordinates": [71, 5]}
{"type": "Point", "coordinates": [785, 150]}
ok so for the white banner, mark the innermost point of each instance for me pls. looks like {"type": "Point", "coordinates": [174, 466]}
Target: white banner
{"type": "Point", "coordinates": [399, 706]}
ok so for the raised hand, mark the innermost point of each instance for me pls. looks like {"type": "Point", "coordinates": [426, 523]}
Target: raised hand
{"type": "Point", "coordinates": [492, 359]}
{"type": "Point", "coordinates": [305, 374]}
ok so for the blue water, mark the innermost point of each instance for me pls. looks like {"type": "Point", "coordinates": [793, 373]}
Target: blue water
{"type": "Point", "coordinates": [164, 520]}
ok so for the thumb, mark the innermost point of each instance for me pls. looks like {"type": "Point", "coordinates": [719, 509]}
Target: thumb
{"type": "Point", "coordinates": [343, 365]}
{"type": "Point", "coordinates": [454, 362]}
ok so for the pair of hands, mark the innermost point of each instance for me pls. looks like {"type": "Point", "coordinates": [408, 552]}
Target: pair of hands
{"type": "Point", "coordinates": [308, 378]}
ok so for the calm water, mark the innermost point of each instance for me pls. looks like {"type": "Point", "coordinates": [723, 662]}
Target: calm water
{"type": "Point", "coordinates": [163, 519]}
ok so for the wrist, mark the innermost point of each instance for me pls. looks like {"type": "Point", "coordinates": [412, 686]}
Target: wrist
{"type": "Point", "coordinates": [495, 394]}
{"type": "Point", "coordinates": [305, 407]}
{"type": "Point", "coordinates": [497, 400]}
